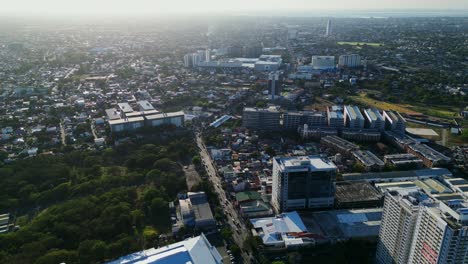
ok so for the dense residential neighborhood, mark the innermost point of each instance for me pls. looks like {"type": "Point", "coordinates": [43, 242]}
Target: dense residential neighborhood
{"type": "Point", "coordinates": [235, 140]}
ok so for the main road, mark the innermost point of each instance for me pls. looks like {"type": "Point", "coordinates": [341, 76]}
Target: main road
{"type": "Point", "coordinates": [240, 232]}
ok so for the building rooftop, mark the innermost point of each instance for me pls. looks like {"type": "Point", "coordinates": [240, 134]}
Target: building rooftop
{"type": "Point", "coordinates": [126, 120]}
{"type": "Point", "coordinates": [286, 228]}
{"type": "Point", "coordinates": [428, 152]}
{"type": "Point", "coordinates": [271, 109]}
{"type": "Point", "coordinates": [196, 250]}
{"type": "Point", "coordinates": [145, 105]}
{"type": "Point", "coordinates": [220, 121]}
{"type": "Point", "coordinates": [197, 204]}
{"type": "Point", "coordinates": [350, 192]}
{"type": "Point", "coordinates": [394, 116]}
{"type": "Point", "coordinates": [367, 158]}
{"type": "Point", "coordinates": [165, 115]}
{"type": "Point", "coordinates": [248, 196]}
{"type": "Point", "coordinates": [112, 114]}
{"type": "Point", "coordinates": [340, 142]}
{"type": "Point", "coordinates": [125, 107]}
{"type": "Point", "coordinates": [141, 113]}
{"type": "Point", "coordinates": [354, 112]}
{"type": "Point", "coordinates": [373, 114]}
{"type": "Point", "coordinates": [312, 162]}
{"type": "Point", "coordinates": [395, 175]}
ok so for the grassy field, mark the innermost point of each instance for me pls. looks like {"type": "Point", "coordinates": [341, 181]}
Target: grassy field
{"type": "Point", "coordinates": [406, 108]}
{"type": "Point", "coordinates": [402, 108]}
{"type": "Point", "coordinates": [372, 44]}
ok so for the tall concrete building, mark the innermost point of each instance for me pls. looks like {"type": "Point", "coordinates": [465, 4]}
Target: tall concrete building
{"type": "Point", "coordinates": [350, 61]}
{"type": "Point", "coordinates": [274, 85]}
{"type": "Point", "coordinates": [294, 120]}
{"type": "Point", "coordinates": [292, 34]}
{"type": "Point", "coordinates": [353, 117]}
{"type": "Point", "coordinates": [207, 55]}
{"type": "Point", "coordinates": [196, 59]}
{"type": "Point", "coordinates": [262, 118]}
{"type": "Point", "coordinates": [374, 119]}
{"type": "Point", "coordinates": [323, 62]}
{"type": "Point", "coordinates": [328, 32]}
{"type": "Point", "coordinates": [188, 60]}
{"type": "Point", "coordinates": [253, 51]}
{"type": "Point", "coordinates": [302, 182]}
{"type": "Point", "coordinates": [417, 228]}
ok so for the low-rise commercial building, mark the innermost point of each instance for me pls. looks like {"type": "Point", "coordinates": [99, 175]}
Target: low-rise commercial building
{"type": "Point", "coordinates": [196, 212]}
{"type": "Point", "coordinates": [339, 145]}
{"type": "Point", "coordinates": [307, 132]}
{"type": "Point", "coordinates": [428, 155]}
{"type": "Point", "coordinates": [283, 231]}
{"type": "Point", "coordinates": [368, 160]}
{"type": "Point", "coordinates": [403, 160]}
{"type": "Point", "coordinates": [364, 135]}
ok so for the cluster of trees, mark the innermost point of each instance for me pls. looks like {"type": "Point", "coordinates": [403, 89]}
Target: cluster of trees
{"type": "Point", "coordinates": [89, 206]}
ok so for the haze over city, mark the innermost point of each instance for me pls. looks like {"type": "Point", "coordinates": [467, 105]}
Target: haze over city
{"type": "Point", "coordinates": [233, 132]}
{"type": "Point", "coordinates": [57, 7]}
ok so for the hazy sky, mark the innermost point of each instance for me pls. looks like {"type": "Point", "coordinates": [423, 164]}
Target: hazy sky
{"type": "Point", "coordinates": [198, 6]}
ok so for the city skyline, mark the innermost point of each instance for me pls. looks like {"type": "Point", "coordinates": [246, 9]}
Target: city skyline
{"type": "Point", "coordinates": [211, 6]}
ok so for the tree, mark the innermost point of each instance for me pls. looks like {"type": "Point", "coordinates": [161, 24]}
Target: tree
{"type": "Point", "coordinates": [226, 233]}
{"type": "Point", "coordinates": [59, 256]}
{"type": "Point", "coordinates": [159, 214]}
{"type": "Point", "coordinates": [92, 251]}
{"type": "Point", "coordinates": [270, 151]}
{"type": "Point", "coordinates": [358, 168]}
{"type": "Point", "coordinates": [196, 160]}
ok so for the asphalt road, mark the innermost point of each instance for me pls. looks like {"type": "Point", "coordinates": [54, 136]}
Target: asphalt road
{"type": "Point", "coordinates": [240, 232]}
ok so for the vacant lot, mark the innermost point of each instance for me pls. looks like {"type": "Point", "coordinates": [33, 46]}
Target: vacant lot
{"type": "Point", "coordinates": [402, 108]}
{"type": "Point", "coordinates": [434, 111]}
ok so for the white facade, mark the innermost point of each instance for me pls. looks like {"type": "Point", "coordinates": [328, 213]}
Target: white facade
{"type": "Point", "coordinates": [176, 118]}
{"type": "Point", "coordinates": [302, 182]}
{"type": "Point", "coordinates": [323, 62]}
{"type": "Point", "coordinates": [328, 32]}
{"type": "Point", "coordinates": [352, 60]}
{"type": "Point", "coordinates": [374, 119]}
{"type": "Point", "coordinates": [196, 59]}
{"type": "Point", "coordinates": [127, 124]}
{"type": "Point", "coordinates": [396, 230]}
{"type": "Point", "coordinates": [282, 231]}
{"type": "Point", "coordinates": [417, 228]}
{"type": "Point", "coordinates": [207, 55]}
{"type": "Point", "coordinates": [353, 117]}
{"type": "Point", "coordinates": [394, 121]}
{"type": "Point", "coordinates": [188, 60]}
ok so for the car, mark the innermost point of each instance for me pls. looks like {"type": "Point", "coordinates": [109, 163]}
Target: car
{"type": "Point", "coordinates": [229, 251]}
{"type": "Point", "coordinates": [185, 167]}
